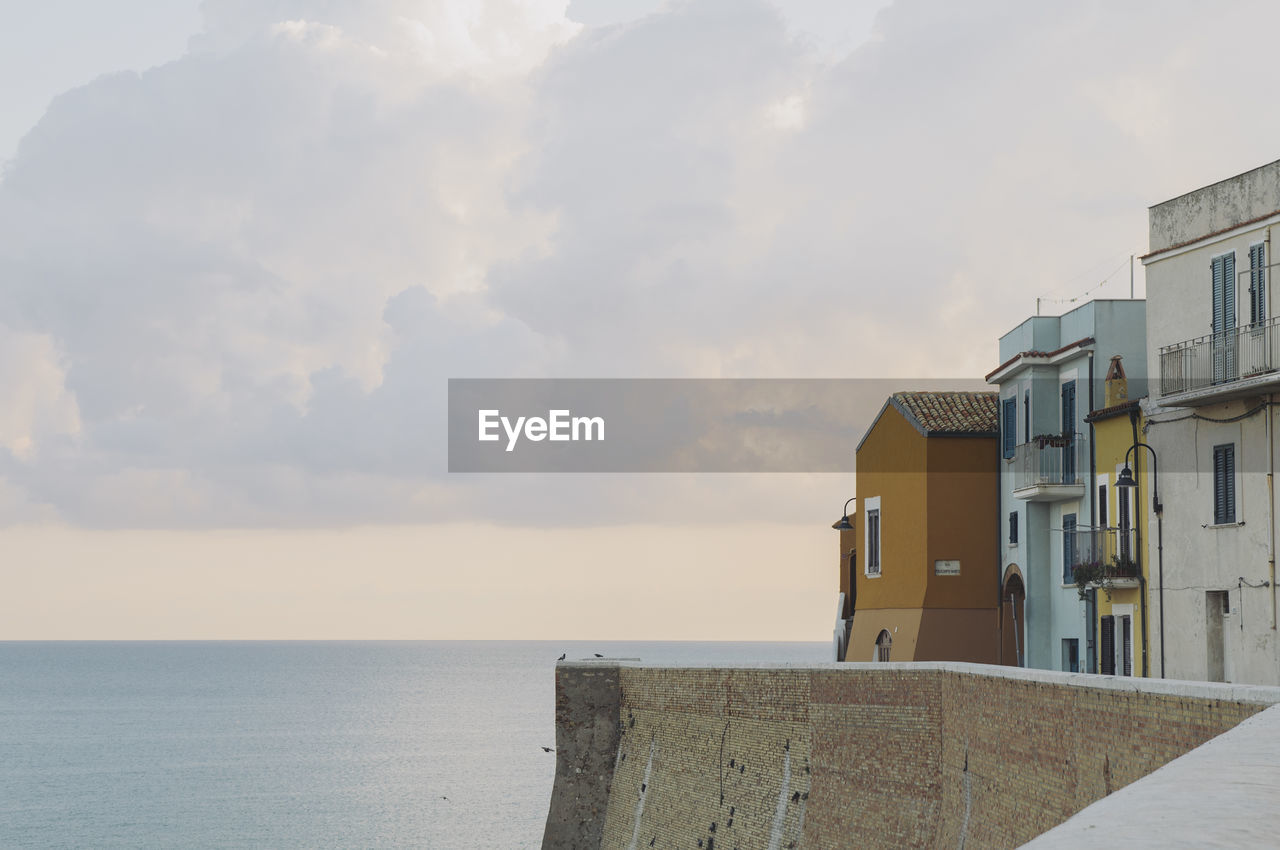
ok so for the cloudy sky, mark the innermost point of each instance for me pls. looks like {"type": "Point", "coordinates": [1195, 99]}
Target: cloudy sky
{"type": "Point", "coordinates": [245, 243]}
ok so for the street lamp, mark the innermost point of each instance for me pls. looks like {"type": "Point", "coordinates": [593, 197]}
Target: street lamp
{"type": "Point", "coordinates": [843, 523]}
{"type": "Point", "coordinates": [1126, 479]}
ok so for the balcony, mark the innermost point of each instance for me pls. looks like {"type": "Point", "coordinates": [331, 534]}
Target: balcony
{"type": "Point", "coordinates": [1103, 557]}
{"type": "Point", "coordinates": [1049, 469]}
{"type": "Point", "coordinates": [1239, 362]}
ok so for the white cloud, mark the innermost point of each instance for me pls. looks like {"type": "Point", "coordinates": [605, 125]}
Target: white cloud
{"type": "Point", "coordinates": [37, 406]}
{"type": "Point", "coordinates": [235, 284]}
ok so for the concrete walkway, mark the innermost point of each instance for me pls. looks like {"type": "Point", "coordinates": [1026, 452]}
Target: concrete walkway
{"type": "Point", "coordinates": [1225, 793]}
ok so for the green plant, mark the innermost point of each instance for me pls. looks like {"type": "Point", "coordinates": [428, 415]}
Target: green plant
{"type": "Point", "coordinates": [1103, 574]}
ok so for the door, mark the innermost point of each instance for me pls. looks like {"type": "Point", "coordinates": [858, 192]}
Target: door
{"type": "Point", "coordinates": [1216, 603]}
{"type": "Point", "coordinates": [1223, 341]}
{"type": "Point", "coordinates": [1069, 431]}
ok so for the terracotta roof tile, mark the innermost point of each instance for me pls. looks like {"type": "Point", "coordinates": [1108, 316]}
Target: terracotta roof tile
{"type": "Point", "coordinates": [950, 413]}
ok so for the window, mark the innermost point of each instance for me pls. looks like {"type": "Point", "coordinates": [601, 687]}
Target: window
{"type": "Point", "coordinates": [1258, 283]}
{"type": "Point", "coordinates": [1071, 655]}
{"type": "Point", "coordinates": [1125, 665]}
{"type": "Point", "coordinates": [1026, 416]}
{"type": "Point", "coordinates": [884, 646]}
{"type": "Point", "coordinates": [1009, 432]}
{"type": "Point", "coordinates": [1013, 527]}
{"type": "Point", "coordinates": [872, 531]}
{"type": "Point", "coordinates": [1068, 548]}
{"type": "Point", "coordinates": [1224, 484]}
{"type": "Point", "coordinates": [1108, 648]}
{"type": "Point", "coordinates": [1102, 506]}
{"type": "Point", "coordinates": [1224, 317]}
{"type": "Point", "coordinates": [1068, 431]}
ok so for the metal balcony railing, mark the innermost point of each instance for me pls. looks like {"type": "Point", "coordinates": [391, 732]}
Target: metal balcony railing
{"type": "Point", "coordinates": [1111, 550]}
{"type": "Point", "coordinates": [1221, 358]}
{"type": "Point", "coordinates": [1050, 461]}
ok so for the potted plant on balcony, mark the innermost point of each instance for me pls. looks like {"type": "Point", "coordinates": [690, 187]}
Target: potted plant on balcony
{"type": "Point", "coordinates": [1054, 441]}
{"type": "Point", "coordinates": [1103, 574]}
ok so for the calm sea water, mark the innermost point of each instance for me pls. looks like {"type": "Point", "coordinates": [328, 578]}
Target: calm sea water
{"type": "Point", "coordinates": [310, 744]}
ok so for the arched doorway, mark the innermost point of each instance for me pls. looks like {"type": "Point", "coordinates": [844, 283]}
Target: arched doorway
{"type": "Point", "coordinates": [884, 645]}
{"type": "Point", "coordinates": [1013, 613]}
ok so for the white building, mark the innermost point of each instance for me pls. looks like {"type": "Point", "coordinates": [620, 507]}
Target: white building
{"type": "Point", "coordinates": [1051, 376]}
{"type": "Point", "coordinates": [1215, 355]}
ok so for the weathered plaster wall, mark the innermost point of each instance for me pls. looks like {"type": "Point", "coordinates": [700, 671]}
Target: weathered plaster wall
{"type": "Point", "coordinates": [834, 756]}
{"type": "Point", "coordinates": [1225, 204]}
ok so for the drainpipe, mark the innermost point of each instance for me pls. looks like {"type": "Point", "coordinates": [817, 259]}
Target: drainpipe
{"type": "Point", "coordinates": [1000, 547]}
{"type": "Point", "coordinates": [1271, 499]}
{"type": "Point", "coordinates": [1142, 579]}
{"type": "Point", "coordinates": [1091, 607]}
{"type": "Point", "coordinates": [1271, 475]}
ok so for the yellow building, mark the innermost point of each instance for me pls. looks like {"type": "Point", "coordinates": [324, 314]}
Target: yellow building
{"type": "Point", "coordinates": [1112, 557]}
{"type": "Point", "coordinates": [924, 580]}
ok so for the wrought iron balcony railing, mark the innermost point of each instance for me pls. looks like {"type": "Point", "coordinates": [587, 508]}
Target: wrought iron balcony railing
{"type": "Point", "coordinates": [1050, 461]}
{"type": "Point", "coordinates": [1221, 359]}
{"type": "Point", "coordinates": [1107, 552]}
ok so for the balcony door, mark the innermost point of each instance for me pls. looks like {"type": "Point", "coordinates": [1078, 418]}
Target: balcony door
{"type": "Point", "coordinates": [1069, 431]}
{"type": "Point", "coordinates": [1223, 341]}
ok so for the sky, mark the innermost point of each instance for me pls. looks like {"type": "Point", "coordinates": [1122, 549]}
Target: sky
{"type": "Point", "coordinates": [244, 244]}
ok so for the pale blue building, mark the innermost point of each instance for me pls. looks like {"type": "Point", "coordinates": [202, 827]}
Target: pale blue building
{"type": "Point", "coordinates": [1050, 378]}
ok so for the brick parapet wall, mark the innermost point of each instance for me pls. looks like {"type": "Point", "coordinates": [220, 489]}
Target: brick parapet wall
{"type": "Point", "coordinates": [870, 755]}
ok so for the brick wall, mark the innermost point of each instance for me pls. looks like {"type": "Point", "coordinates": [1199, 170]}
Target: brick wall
{"type": "Point", "coordinates": [861, 755]}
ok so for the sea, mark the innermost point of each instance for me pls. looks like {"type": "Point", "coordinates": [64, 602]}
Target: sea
{"type": "Point", "coordinates": [310, 744]}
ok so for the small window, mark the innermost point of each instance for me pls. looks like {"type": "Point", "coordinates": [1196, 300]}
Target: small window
{"type": "Point", "coordinates": [1009, 432]}
{"type": "Point", "coordinates": [1102, 506]}
{"type": "Point", "coordinates": [1069, 559]}
{"type": "Point", "coordinates": [1071, 655]}
{"type": "Point", "coordinates": [873, 542]}
{"type": "Point", "coordinates": [884, 645]}
{"type": "Point", "coordinates": [1224, 484]}
{"type": "Point", "coordinates": [1013, 527]}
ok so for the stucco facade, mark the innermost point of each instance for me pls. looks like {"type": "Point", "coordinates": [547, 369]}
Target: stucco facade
{"type": "Point", "coordinates": [924, 534]}
{"type": "Point", "coordinates": [1122, 646]}
{"type": "Point", "coordinates": [1049, 379]}
{"type": "Point", "coordinates": [1214, 349]}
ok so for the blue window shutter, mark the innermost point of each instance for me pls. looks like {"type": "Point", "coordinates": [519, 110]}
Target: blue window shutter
{"type": "Point", "coordinates": [1258, 283]}
{"type": "Point", "coordinates": [1224, 318]}
{"type": "Point", "coordinates": [1229, 291]}
{"type": "Point", "coordinates": [1009, 429]}
{"type": "Point", "coordinates": [1026, 416]}
{"type": "Point", "coordinates": [1219, 293]}
{"type": "Point", "coordinates": [1068, 548]}
{"type": "Point", "coordinates": [1224, 484]}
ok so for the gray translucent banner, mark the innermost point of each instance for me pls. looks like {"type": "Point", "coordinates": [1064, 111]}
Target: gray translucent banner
{"type": "Point", "coordinates": [667, 425]}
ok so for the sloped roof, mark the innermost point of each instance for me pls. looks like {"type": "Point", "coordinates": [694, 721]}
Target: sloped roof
{"type": "Point", "coordinates": [937, 414]}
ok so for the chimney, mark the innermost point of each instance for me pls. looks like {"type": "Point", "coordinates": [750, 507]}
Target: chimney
{"type": "Point", "coordinates": [1117, 388]}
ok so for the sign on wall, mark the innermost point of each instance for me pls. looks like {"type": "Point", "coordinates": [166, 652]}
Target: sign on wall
{"type": "Point", "coordinates": [946, 568]}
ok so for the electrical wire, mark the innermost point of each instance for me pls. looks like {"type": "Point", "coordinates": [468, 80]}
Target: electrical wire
{"type": "Point", "coordinates": [1253, 411]}
{"type": "Point", "coordinates": [1096, 286]}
